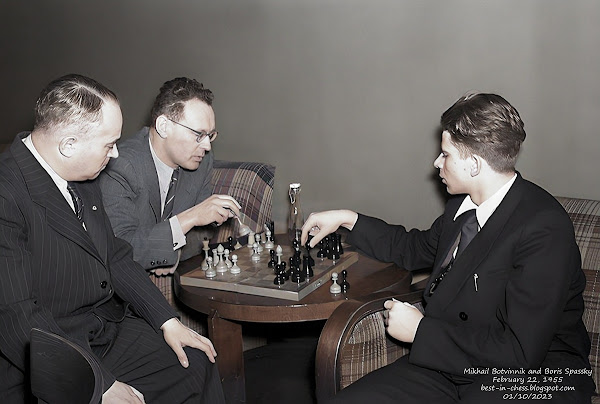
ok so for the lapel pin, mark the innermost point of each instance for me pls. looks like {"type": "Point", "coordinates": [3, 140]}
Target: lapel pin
{"type": "Point", "coordinates": [94, 207]}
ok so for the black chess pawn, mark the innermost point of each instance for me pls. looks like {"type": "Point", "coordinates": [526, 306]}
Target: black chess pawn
{"type": "Point", "coordinates": [345, 285]}
{"type": "Point", "coordinates": [321, 252]}
{"type": "Point", "coordinates": [339, 246]}
{"type": "Point", "coordinates": [310, 258]}
{"type": "Point", "coordinates": [273, 260]}
{"type": "Point", "coordinates": [296, 275]}
{"type": "Point", "coordinates": [279, 276]}
{"type": "Point", "coordinates": [307, 268]}
{"type": "Point", "coordinates": [333, 250]}
{"type": "Point", "coordinates": [327, 247]}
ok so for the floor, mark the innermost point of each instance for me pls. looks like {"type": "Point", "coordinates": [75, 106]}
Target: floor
{"type": "Point", "coordinates": [283, 370]}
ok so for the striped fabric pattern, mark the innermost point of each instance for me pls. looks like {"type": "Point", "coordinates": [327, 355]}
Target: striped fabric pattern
{"type": "Point", "coordinates": [369, 347]}
{"type": "Point", "coordinates": [251, 184]}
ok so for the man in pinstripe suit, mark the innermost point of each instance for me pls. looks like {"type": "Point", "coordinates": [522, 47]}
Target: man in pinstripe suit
{"type": "Point", "coordinates": [64, 271]}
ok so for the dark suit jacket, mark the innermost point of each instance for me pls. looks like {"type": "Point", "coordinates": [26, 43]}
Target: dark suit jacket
{"type": "Point", "coordinates": [132, 198]}
{"type": "Point", "coordinates": [526, 311]}
{"type": "Point", "coordinates": [55, 275]}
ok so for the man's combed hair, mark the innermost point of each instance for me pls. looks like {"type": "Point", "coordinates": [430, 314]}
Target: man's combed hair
{"type": "Point", "coordinates": [173, 95]}
{"type": "Point", "coordinates": [71, 100]}
{"type": "Point", "coordinates": [488, 126]}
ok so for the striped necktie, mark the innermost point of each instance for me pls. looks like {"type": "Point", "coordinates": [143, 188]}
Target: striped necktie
{"type": "Point", "coordinates": [169, 200]}
{"type": "Point", "coordinates": [77, 201]}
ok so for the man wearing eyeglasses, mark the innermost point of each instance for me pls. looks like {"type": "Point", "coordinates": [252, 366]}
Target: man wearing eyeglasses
{"type": "Point", "coordinates": [159, 187]}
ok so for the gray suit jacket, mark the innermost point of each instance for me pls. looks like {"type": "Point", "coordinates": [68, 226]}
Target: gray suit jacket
{"type": "Point", "coordinates": [132, 199]}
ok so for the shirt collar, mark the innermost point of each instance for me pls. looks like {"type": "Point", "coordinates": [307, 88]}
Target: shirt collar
{"type": "Point", "coordinates": [60, 182]}
{"type": "Point", "coordinates": [488, 207]}
{"type": "Point", "coordinates": [163, 171]}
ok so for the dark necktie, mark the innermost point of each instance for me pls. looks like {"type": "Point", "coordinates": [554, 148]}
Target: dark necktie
{"type": "Point", "coordinates": [468, 231]}
{"type": "Point", "coordinates": [168, 208]}
{"type": "Point", "coordinates": [77, 201]}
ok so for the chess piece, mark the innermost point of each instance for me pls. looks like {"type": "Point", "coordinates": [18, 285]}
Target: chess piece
{"type": "Point", "coordinates": [339, 246]}
{"type": "Point", "coordinates": [333, 249]}
{"type": "Point", "coordinates": [259, 247]}
{"type": "Point", "coordinates": [311, 261]}
{"type": "Point", "coordinates": [215, 257]}
{"type": "Point", "coordinates": [250, 239]}
{"type": "Point", "coordinates": [221, 266]}
{"type": "Point", "coordinates": [206, 250]}
{"type": "Point", "coordinates": [285, 272]}
{"type": "Point", "coordinates": [255, 255]}
{"type": "Point", "coordinates": [272, 261]}
{"type": "Point", "coordinates": [269, 245]}
{"type": "Point", "coordinates": [230, 243]}
{"type": "Point", "coordinates": [345, 285]}
{"type": "Point", "coordinates": [335, 288]}
{"type": "Point", "coordinates": [237, 245]}
{"type": "Point", "coordinates": [279, 253]}
{"type": "Point", "coordinates": [226, 255]}
{"type": "Point", "coordinates": [279, 278]}
{"type": "Point", "coordinates": [235, 269]}
{"type": "Point", "coordinates": [307, 268]}
{"type": "Point", "coordinates": [210, 271]}
{"type": "Point", "coordinates": [321, 252]}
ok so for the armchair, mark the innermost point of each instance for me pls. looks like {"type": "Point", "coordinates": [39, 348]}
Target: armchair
{"type": "Point", "coordinates": [353, 342]}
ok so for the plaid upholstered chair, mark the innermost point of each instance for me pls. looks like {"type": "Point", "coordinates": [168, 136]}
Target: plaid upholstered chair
{"type": "Point", "coordinates": [354, 342]}
{"type": "Point", "coordinates": [251, 184]}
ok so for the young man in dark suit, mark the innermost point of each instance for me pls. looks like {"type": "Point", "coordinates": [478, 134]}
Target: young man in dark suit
{"type": "Point", "coordinates": [135, 187]}
{"type": "Point", "coordinates": [505, 294]}
{"type": "Point", "coordinates": [64, 271]}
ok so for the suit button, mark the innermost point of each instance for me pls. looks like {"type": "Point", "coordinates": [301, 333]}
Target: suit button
{"type": "Point", "coordinates": [103, 284]}
{"type": "Point", "coordinates": [164, 261]}
{"type": "Point", "coordinates": [152, 262]}
{"type": "Point", "coordinates": [463, 316]}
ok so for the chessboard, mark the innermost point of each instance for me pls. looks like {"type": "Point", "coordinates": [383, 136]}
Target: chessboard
{"type": "Point", "coordinates": [256, 278]}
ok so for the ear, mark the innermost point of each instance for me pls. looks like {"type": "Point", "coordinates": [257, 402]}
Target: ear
{"type": "Point", "coordinates": [161, 126]}
{"type": "Point", "coordinates": [67, 146]}
{"type": "Point", "coordinates": [476, 165]}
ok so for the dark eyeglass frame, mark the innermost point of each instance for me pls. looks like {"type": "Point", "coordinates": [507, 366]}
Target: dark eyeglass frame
{"type": "Point", "coordinates": [200, 135]}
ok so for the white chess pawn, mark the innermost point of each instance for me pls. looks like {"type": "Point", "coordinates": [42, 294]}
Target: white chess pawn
{"type": "Point", "coordinates": [215, 257]}
{"type": "Point", "coordinates": [278, 253]}
{"type": "Point", "coordinates": [255, 255]}
{"type": "Point", "coordinates": [221, 265]}
{"type": "Point", "coordinates": [250, 239]}
{"type": "Point", "coordinates": [259, 248]}
{"type": "Point", "coordinates": [226, 255]}
{"type": "Point", "coordinates": [210, 271]}
{"type": "Point", "coordinates": [335, 288]}
{"type": "Point", "coordinates": [234, 266]}
{"type": "Point", "coordinates": [269, 245]}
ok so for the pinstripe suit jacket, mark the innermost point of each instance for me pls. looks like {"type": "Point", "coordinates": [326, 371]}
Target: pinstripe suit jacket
{"type": "Point", "coordinates": [55, 275]}
{"type": "Point", "coordinates": [132, 199]}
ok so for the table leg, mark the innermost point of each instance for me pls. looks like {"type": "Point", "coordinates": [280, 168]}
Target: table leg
{"type": "Point", "coordinates": [226, 336]}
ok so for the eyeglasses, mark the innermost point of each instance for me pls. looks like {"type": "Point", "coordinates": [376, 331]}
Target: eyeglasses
{"type": "Point", "coordinates": [200, 135]}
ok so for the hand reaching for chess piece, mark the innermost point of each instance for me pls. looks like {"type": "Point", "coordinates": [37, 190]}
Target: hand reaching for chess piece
{"type": "Point", "coordinates": [322, 224]}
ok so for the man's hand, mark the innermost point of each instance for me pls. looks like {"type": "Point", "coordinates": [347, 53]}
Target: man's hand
{"type": "Point", "coordinates": [178, 336]}
{"type": "Point", "coordinates": [322, 224]}
{"type": "Point", "coordinates": [402, 320]}
{"type": "Point", "coordinates": [214, 209]}
{"type": "Point", "coordinates": [122, 393]}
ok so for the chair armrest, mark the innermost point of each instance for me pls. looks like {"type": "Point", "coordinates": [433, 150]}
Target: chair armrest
{"type": "Point", "coordinates": [354, 342]}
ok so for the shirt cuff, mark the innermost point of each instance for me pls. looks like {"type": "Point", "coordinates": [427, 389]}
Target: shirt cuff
{"type": "Point", "coordinates": [178, 236]}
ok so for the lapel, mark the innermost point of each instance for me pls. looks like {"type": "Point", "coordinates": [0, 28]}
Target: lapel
{"type": "Point", "coordinates": [152, 177]}
{"type": "Point", "coordinates": [469, 260]}
{"type": "Point", "coordinates": [94, 218]}
{"type": "Point", "coordinates": [183, 194]}
{"type": "Point", "coordinates": [43, 192]}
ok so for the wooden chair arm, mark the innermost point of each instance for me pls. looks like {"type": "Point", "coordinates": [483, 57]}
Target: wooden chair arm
{"type": "Point", "coordinates": [336, 333]}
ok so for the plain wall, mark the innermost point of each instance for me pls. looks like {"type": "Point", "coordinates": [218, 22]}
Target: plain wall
{"type": "Point", "coordinates": [343, 96]}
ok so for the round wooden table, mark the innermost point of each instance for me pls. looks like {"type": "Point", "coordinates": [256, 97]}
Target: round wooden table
{"type": "Point", "coordinates": [226, 309]}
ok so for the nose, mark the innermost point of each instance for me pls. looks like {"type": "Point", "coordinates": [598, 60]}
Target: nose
{"type": "Point", "coordinates": [437, 163]}
{"type": "Point", "coordinates": [205, 144]}
{"type": "Point", "coordinates": [114, 152]}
